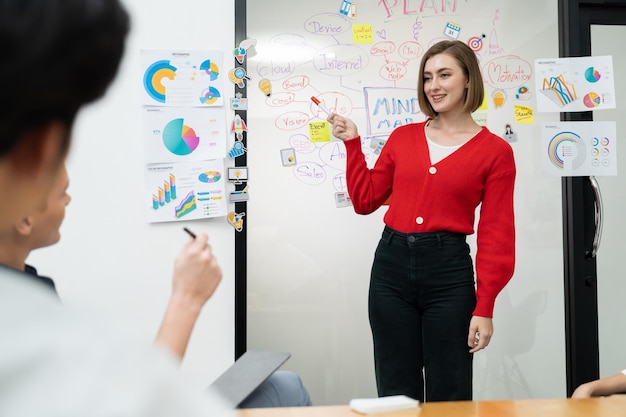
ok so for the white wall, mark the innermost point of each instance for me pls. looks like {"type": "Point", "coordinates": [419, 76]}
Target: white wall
{"type": "Point", "coordinates": [109, 257]}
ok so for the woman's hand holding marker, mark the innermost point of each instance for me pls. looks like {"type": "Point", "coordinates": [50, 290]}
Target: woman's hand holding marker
{"type": "Point", "coordinates": [320, 105]}
{"type": "Point", "coordinates": [343, 128]}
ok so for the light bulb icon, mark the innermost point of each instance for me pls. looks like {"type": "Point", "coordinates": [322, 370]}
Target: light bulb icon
{"type": "Point", "coordinates": [266, 86]}
{"type": "Point", "coordinates": [237, 76]}
{"type": "Point", "coordinates": [236, 220]}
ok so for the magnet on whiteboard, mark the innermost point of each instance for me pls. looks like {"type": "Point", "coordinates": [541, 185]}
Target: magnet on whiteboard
{"type": "Point", "coordinates": [238, 126]}
{"type": "Point", "coordinates": [353, 10]}
{"type": "Point", "coordinates": [265, 86]}
{"type": "Point", "coordinates": [240, 54]}
{"type": "Point", "coordinates": [452, 30]}
{"type": "Point", "coordinates": [238, 196]}
{"type": "Point", "coordinates": [236, 220]}
{"type": "Point", "coordinates": [288, 156]}
{"type": "Point", "coordinates": [377, 145]}
{"type": "Point", "coordinates": [345, 7]}
{"type": "Point", "coordinates": [241, 51]}
{"type": "Point", "coordinates": [238, 175]}
{"type": "Point", "coordinates": [238, 76]}
{"type": "Point", "coordinates": [237, 150]}
{"type": "Point", "coordinates": [238, 102]}
{"type": "Point", "coordinates": [342, 199]}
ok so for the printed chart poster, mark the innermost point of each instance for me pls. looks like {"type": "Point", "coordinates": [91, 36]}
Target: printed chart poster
{"type": "Point", "coordinates": [173, 134]}
{"type": "Point", "coordinates": [187, 191]}
{"type": "Point", "coordinates": [575, 84]}
{"type": "Point", "coordinates": [182, 78]}
{"type": "Point", "coordinates": [579, 148]}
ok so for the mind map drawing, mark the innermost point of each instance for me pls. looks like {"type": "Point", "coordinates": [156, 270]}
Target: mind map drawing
{"type": "Point", "coordinates": [373, 83]}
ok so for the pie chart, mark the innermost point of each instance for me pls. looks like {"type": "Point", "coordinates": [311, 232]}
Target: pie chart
{"type": "Point", "coordinates": [211, 69]}
{"type": "Point", "coordinates": [180, 139]}
{"type": "Point", "coordinates": [592, 100]}
{"type": "Point", "coordinates": [592, 75]}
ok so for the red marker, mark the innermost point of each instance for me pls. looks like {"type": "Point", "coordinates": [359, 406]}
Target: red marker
{"type": "Point", "coordinates": [320, 105]}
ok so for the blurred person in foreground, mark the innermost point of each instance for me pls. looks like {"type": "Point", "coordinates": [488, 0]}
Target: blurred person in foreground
{"type": "Point", "coordinates": [56, 361]}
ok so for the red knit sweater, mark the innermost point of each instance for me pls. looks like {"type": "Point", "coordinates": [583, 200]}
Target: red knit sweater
{"type": "Point", "coordinates": [444, 197]}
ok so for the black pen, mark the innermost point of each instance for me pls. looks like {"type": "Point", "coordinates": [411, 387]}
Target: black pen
{"type": "Point", "coordinates": [192, 234]}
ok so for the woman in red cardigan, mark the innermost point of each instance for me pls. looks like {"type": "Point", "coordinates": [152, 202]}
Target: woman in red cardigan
{"type": "Point", "coordinates": [427, 314]}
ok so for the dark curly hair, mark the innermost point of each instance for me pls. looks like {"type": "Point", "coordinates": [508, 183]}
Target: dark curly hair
{"type": "Point", "coordinates": [57, 56]}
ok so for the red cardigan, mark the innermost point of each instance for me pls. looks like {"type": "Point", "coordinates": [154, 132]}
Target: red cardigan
{"type": "Point", "coordinates": [444, 197]}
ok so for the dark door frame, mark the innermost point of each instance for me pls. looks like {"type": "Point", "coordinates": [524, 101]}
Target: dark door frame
{"type": "Point", "coordinates": [580, 272]}
{"type": "Point", "coordinates": [241, 237]}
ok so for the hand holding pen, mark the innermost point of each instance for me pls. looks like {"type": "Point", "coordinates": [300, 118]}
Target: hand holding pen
{"type": "Point", "coordinates": [196, 271]}
{"type": "Point", "coordinates": [343, 128]}
{"type": "Point", "coordinates": [196, 276]}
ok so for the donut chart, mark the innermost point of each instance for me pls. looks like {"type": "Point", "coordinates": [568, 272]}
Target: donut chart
{"type": "Point", "coordinates": [210, 95]}
{"type": "Point", "coordinates": [180, 139]}
{"type": "Point", "coordinates": [153, 79]}
{"type": "Point", "coordinates": [210, 177]}
{"type": "Point", "coordinates": [566, 146]}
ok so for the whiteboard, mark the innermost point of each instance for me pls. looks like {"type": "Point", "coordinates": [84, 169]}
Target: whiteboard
{"type": "Point", "coordinates": [309, 260]}
{"type": "Point", "coordinates": [109, 258]}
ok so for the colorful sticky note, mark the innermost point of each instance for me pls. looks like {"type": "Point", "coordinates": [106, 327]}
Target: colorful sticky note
{"type": "Point", "coordinates": [319, 132]}
{"type": "Point", "coordinates": [362, 33]}
{"type": "Point", "coordinates": [524, 115]}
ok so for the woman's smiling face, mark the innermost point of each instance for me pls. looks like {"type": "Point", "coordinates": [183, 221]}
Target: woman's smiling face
{"type": "Point", "coordinates": [445, 83]}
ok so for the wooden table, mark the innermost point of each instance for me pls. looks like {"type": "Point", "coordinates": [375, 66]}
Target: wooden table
{"type": "Point", "coordinates": [614, 406]}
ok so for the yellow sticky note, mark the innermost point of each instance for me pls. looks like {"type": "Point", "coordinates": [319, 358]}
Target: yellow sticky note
{"type": "Point", "coordinates": [319, 132]}
{"type": "Point", "coordinates": [362, 33]}
{"type": "Point", "coordinates": [524, 115]}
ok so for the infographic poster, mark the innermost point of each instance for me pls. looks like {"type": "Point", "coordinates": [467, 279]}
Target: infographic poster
{"type": "Point", "coordinates": [182, 78]}
{"type": "Point", "coordinates": [579, 148]}
{"type": "Point", "coordinates": [575, 84]}
{"type": "Point", "coordinates": [184, 133]}
{"type": "Point", "coordinates": [185, 191]}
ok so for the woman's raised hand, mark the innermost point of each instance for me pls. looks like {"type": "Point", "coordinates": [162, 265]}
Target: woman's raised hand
{"type": "Point", "coordinates": [343, 128]}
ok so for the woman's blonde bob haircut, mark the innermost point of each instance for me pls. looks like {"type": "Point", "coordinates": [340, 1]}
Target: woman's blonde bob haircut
{"type": "Point", "coordinates": [467, 61]}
